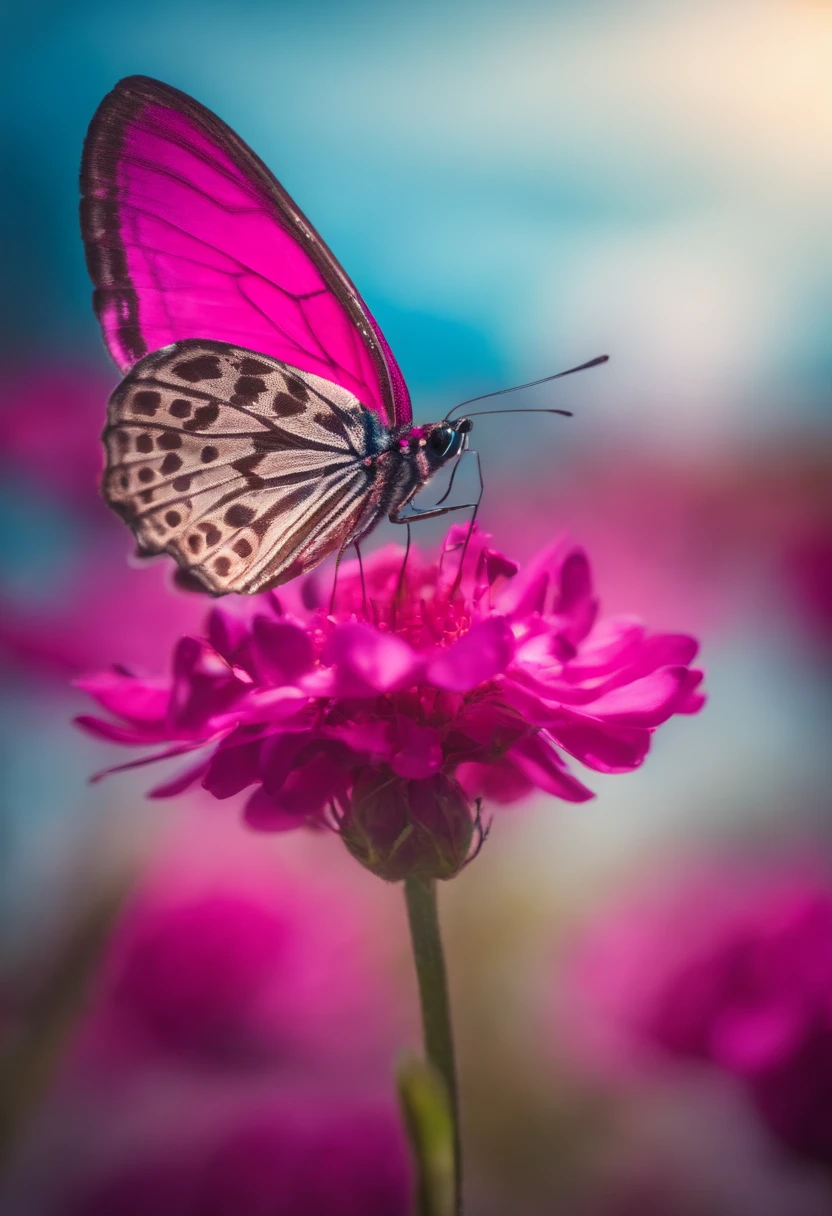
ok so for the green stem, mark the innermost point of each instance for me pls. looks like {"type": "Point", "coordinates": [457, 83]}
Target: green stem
{"type": "Point", "coordinates": [433, 996]}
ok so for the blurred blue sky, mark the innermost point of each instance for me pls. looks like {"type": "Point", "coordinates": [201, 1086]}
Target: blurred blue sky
{"type": "Point", "coordinates": [513, 188]}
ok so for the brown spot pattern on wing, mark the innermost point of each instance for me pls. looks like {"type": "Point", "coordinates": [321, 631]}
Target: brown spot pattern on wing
{"type": "Point", "coordinates": [202, 367]}
{"type": "Point", "coordinates": [233, 463]}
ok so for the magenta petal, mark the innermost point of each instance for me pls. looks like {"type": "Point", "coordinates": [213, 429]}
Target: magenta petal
{"type": "Point", "coordinates": [663, 650]}
{"type": "Point", "coordinates": [604, 746]}
{"type": "Point", "coordinates": [573, 598]}
{"type": "Point", "coordinates": [691, 699]}
{"type": "Point", "coordinates": [180, 783]}
{"type": "Point", "coordinates": [482, 653]}
{"type": "Point", "coordinates": [180, 749]}
{"type": "Point", "coordinates": [128, 697]}
{"type": "Point", "coordinates": [283, 651]}
{"type": "Point", "coordinates": [419, 751]}
{"type": "Point", "coordinates": [502, 782]}
{"type": "Point", "coordinates": [114, 733]}
{"type": "Point", "coordinates": [611, 645]}
{"type": "Point", "coordinates": [203, 685]}
{"type": "Point", "coordinates": [645, 702]}
{"type": "Point", "coordinates": [263, 814]}
{"type": "Point", "coordinates": [497, 565]}
{"type": "Point", "coordinates": [263, 706]}
{"type": "Point", "coordinates": [278, 758]}
{"type": "Point", "coordinates": [226, 632]}
{"type": "Point", "coordinates": [371, 739]}
{"type": "Point", "coordinates": [309, 787]}
{"type": "Point", "coordinates": [530, 599]}
{"type": "Point", "coordinates": [367, 659]}
{"type": "Point", "coordinates": [540, 763]}
{"type": "Point", "coordinates": [232, 767]}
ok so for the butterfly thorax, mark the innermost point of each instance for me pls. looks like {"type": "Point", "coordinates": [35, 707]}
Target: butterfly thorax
{"type": "Point", "coordinates": [414, 455]}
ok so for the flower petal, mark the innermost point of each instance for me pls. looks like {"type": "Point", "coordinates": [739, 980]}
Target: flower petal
{"type": "Point", "coordinates": [368, 660]}
{"type": "Point", "coordinates": [502, 782]}
{"type": "Point", "coordinates": [263, 814]}
{"type": "Point", "coordinates": [203, 685]}
{"type": "Point", "coordinates": [232, 767]}
{"type": "Point", "coordinates": [129, 697]}
{"type": "Point", "coordinates": [482, 653]}
{"type": "Point", "coordinates": [179, 749]}
{"type": "Point", "coordinates": [530, 599]}
{"type": "Point", "coordinates": [283, 651]}
{"type": "Point", "coordinates": [226, 632]}
{"type": "Point", "coordinates": [645, 702]}
{"type": "Point", "coordinates": [373, 740]}
{"type": "Point", "coordinates": [574, 601]}
{"type": "Point", "coordinates": [310, 786]}
{"type": "Point", "coordinates": [278, 758]}
{"type": "Point", "coordinates": [691, 700]}
{"type": "Point", "coordinates": [177, 785]}
{"type": "Point", "coordinates": [419, 751]}
{"type": "Point", "coordinates": [541, 764]}
{"type": "Point", "coordinates": [605, 746]}
{"type": "Point", "coordinates": [113, 732]}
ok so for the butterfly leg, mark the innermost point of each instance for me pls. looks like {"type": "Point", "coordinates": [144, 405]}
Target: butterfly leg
{"type": "Point", "coordinates": [439, 501]}
{"type": "Point", "coordinates": [418, 516]}
{"type": "Point", "coordinates": [361, 572]}
{"type": "Point", "coordinates": [433, 513]}
{"type": "Point", "coordinates": [400, 584]}
{"type": "Point", "coordinates": [458, 578]}
{"type": "Point", "coordinates": [335, 577]}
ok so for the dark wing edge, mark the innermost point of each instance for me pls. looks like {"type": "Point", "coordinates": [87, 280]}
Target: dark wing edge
{"type": "Point", "coordinates": [107, 263]}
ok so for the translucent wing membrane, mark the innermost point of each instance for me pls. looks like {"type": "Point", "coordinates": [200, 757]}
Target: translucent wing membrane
{"type": "Point", "coordinates": [188, 235]}
{"type": "Point", "coordinates": [246, 470]}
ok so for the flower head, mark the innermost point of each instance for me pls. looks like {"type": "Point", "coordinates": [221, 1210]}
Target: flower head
{"type": "Point", "coordinates": [436, 690]}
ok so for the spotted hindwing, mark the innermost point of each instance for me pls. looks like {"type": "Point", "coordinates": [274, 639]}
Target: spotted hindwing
{"type": "Point", "coordinates": [244, 469]}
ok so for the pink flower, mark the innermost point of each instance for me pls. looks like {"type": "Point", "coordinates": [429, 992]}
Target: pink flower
{"type": "Point", "coordinates": [237, 1047]}
{"type": "Point", "coordinates": [299, 1157]}
{"type": "Point", "coordinates": [233, 962]}
{"type": "Point", "coordinates": [449, 694]}
{"type": "Point", "coordinates": [73, 595]}
{"type": "Point", "coordinates": [732, 968]}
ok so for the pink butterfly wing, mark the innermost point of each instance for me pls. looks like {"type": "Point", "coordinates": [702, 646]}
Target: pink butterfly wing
{"type": "Point", "coordinates": [188, 235]}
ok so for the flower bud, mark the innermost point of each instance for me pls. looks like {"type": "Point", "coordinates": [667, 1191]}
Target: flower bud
{"type": "Point", "coordinates": [401, 828]}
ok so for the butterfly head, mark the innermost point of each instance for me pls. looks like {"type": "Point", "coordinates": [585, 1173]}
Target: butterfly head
{"type": "Point", "coordinates": [447, 439]}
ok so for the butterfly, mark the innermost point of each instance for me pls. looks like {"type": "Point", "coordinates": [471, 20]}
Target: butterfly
{"type": "Point", "coordinates": [263, 422]}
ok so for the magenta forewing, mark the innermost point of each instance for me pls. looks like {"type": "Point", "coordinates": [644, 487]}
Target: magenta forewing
{"type": "Point", "coordinates": [263, 422]}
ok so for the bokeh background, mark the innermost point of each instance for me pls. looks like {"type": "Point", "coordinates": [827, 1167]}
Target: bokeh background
{"type": "Point", "coordinates": [514, 188]}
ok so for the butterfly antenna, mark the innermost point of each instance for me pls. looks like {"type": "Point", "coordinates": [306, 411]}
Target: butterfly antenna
{"type": "Point", "coordinates": [516, 388]}
{"type": "Point", "coordinates": [483, 413]}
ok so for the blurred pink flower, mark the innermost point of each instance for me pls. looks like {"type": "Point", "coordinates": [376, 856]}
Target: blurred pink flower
{"type": "Point", "coordinates": [808, 570]}
{"type": "Point", "coordinates": [732, 968]}
{"type": "Point", "coordinates": [50, 419]}
{"type": "Point", "coordinates": [87, 598]}
{"type": "Point", "coordinates": [472, 692]}
{"type": "Point", "coordinates": [237, 1050]}
{"type": "Point", "coordinates": [242, 969]}
{"type": "Point", "coordinates": [289, 1158]}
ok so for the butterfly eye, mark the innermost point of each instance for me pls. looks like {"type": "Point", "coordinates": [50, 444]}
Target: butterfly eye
{"type": "Point", "coordinates": [440, 440]}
